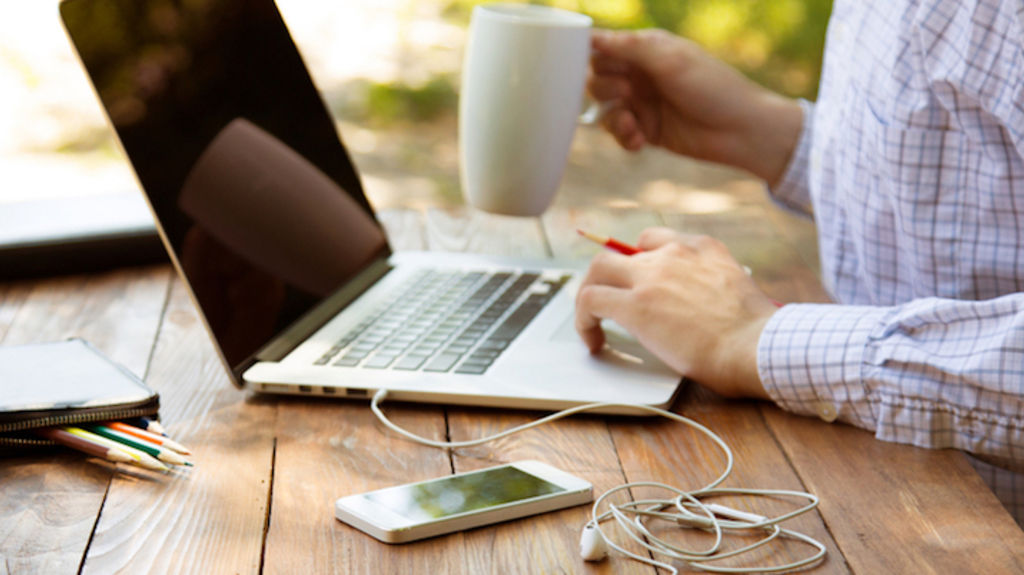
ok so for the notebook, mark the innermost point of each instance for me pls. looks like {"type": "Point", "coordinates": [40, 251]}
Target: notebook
{"type": "Point", "coordinates": [264, 216]}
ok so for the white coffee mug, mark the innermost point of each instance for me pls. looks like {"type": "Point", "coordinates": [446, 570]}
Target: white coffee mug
{"type": "Point", "coordinates": [522, 90]}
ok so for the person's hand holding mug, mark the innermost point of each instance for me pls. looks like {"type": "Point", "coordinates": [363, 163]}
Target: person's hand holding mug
{"type": "Point", "coordinates": [666, 91]}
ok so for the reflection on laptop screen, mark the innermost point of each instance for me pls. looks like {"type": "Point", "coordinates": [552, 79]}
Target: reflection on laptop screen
{"type": "Point", "coordinates": [236, 152]}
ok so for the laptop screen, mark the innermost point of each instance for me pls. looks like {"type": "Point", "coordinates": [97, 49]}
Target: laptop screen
{"type": "Point", "coordinates": [237, 154]}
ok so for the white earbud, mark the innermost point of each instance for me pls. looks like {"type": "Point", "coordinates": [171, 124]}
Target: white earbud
{"type": "Point", "coordinates": [592, 544]}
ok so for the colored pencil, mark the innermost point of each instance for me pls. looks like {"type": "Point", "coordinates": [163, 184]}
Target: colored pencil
{"type": "Point", "coordinates": [610, 243]}
{"type": "Point", "coordinates": [152, 425]}
{"type": "Point", "coordinates": [138, 457]}
{"type": "Point", "coordinates": [165, 455]}
{"type": "Point", "coordinates": [149, 436]}
{"type": "Point", "coordinates": [84, 445]}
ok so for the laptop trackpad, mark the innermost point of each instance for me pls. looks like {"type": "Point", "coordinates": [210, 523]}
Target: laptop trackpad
{"type": "Point", "coordinates": [613, 332]}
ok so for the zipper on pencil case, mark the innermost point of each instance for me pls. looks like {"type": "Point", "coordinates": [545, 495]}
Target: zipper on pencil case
{"type": "Point", "coordinates": [76, 418]}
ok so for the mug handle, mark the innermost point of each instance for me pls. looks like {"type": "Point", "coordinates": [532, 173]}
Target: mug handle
{"type": "Point", "coordinates": [596, 111]}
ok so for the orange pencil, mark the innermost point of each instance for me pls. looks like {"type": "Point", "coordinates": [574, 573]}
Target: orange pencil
{"type": "Point", "coordinates": [149, 436]}
{"type": "Point", "coordinates": [610, 243]}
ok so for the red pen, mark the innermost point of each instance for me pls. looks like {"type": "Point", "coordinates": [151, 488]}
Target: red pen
{"type": "Point", "coordinates": [624, 248]}
{"type": "Point", "coordinates": [610, 243]}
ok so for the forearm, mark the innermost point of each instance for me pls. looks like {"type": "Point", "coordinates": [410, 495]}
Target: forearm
{"type": "Point", "coordinates": [770, 134]}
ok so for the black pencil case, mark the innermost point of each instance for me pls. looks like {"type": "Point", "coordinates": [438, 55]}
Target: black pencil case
{"type": "Point", "coordinates": [64, 383]}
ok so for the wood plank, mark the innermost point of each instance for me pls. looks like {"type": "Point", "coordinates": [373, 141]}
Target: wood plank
{"type": "Point", "coordinates": [48, 505]}
{"type": "Point", "coordinates": [896, 508]}
{"type": "Point", "coordinates": [404, 228]}
{"type": "Point", "coordinates": [469, 230]}
{"type": "Point", "coordinates": [326, 450]}
{"type": "Point", "coordinates": [51, 499]}
{"type": "Point", "coordinates": [209, 518]}
{"type": "Point", "coordinates": [12, 296]}
{"type": "Point", "coordinates": [118, 312]}
{"type": "Point", "coordinates": [671, 453]}
{"type": "Point", "coordinates": [549, 542]}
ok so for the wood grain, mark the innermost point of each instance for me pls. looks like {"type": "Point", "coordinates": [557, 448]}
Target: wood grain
{"type": "Point", "coordinates": [549, 542]}
{"type": "Point", "coordinates": [900, 509]}
{"type": "Point", "coordinates": [118, 312]}
{"type": "Point", "coordinates": [50, 500]}
{"type": "Point", "coordinates": [326, 450]}
{"type": "Point", "coordinates": [12, 296]}
{"type": "Point", "coordinates": [469, 230]}
{"type": "Point", "coordinates": [404, 228]}
{"type": "Point", "coordinates": [671, 453]}
{"type": "Point", "coordinates": [208, 519]}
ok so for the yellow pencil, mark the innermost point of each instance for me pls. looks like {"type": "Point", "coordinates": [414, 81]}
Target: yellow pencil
{"type": "Point", "coordinates": [137, 456]}
{"type": "Point", "coordinates": [84, 445]}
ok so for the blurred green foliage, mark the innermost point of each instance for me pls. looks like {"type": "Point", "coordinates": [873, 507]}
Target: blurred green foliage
{"type": "Point", "coordinates": [778, 43]}
{"type": "Point", "coordinates": [386, 102]}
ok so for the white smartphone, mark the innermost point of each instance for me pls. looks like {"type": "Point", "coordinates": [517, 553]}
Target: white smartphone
{"type": "Point", "coordinates": [462, 501]}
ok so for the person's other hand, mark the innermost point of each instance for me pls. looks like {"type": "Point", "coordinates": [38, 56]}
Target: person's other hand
{"type": "Point", "coordinates": [687, 301]}
{"type": "Point", "coordinates": [666, 91]}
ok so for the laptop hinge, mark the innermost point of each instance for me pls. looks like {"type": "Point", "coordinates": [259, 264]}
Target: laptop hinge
{"type": "Point", "coordinates": [296, 333]}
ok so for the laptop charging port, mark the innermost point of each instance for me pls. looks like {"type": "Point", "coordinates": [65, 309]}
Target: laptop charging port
{"type": "Point", "coordinates": [356, 392]}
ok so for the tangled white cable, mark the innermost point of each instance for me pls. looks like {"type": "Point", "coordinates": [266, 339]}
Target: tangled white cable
{"type": "Point", "coordinates": [685, 508]}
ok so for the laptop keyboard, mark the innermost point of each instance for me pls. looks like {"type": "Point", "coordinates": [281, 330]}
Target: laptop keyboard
{"type": "Point", "coordinates": [446, 321]}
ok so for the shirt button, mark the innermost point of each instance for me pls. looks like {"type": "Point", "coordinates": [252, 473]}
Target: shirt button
{"type": "Point", "coordinates": [827, 412]}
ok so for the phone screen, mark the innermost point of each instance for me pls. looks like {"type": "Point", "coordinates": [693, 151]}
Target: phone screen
{"type": "Point", "coordinates": [462, 493]}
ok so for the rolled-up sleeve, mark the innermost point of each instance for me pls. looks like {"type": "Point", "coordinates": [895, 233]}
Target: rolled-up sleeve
{"type": "Point", "coordinates": [793, 190]}
{"type": "Point", "coordinates": [933, 372]}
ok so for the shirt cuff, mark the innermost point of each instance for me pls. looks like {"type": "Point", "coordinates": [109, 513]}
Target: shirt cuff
{"type": "Point", "coordinates": [793, 190]}
{"type": "Point", "coordinates": [810, 358]}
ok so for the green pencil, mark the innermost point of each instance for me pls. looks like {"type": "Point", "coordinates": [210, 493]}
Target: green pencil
{"type": "Point", "coordinates": [139, 457]}
{"type": "Point", "coordinates": [165, 455]}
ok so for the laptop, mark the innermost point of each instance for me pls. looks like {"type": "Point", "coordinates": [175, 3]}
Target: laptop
{"type": "Point", "coordinates": [263, 214]}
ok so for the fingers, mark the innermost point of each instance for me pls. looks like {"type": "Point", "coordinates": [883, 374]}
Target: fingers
{"type": "Point", "coordinates": [654, 238]}
{"type": "Point", "coordinates": [624, 127]}
{"type": "Point", "coordinates": [594, 303]}
{"type": "Point", "coordinates": [605, 88]}
{"type": "Point", "coordinates": [610, 269]}
{"type": "Point", "coordinates": [607, 65]}
{"type": "Point", "coordinates": [607, 277]}
{"type": "Point", "coordinates": [621, 50]}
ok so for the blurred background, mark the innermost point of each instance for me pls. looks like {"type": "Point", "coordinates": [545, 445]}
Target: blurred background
{"type": "Point", "coordinates": [389, 70]}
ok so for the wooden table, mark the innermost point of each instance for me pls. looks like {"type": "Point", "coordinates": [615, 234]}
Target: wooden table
{"type": "Point", "coordinates": [268, 469]}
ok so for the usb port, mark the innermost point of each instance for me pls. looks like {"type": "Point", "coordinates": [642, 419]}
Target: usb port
{"type": "Point", "coordinates": [305, 389]}
{"type": "Point", "coordinates": [356, 392]}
